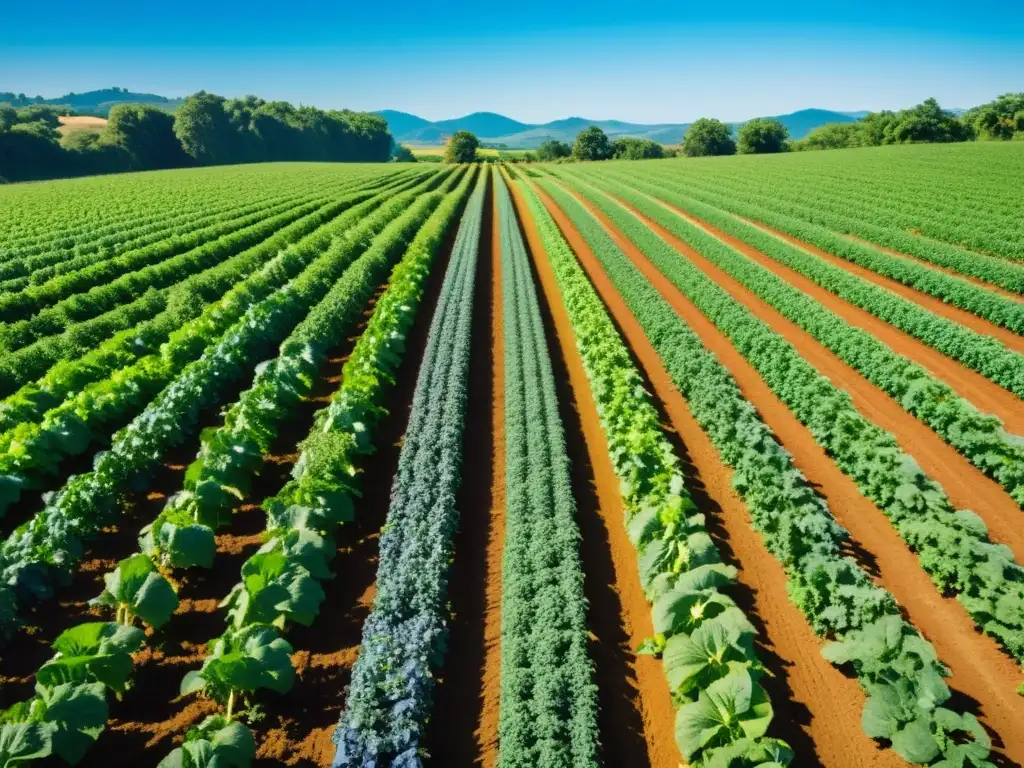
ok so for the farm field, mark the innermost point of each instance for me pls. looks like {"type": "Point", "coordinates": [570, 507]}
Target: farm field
{"type": "Point", "coordinates": [709, 462]}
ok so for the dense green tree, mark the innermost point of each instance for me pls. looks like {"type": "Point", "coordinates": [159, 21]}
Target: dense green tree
{"type": "Point", "coordinates": [591, 144]}
{"type": "Point", "coordinates": [402, 155]}
{"type": "Point", "coordinates": [708, 136]}
{"type": "Point", "coordinates": [8, 117]}
{"type": "Point", "coordinates": [552, 150]}
{"type": "Point", "coordinates": [146, 134]}
{"type": "Point", "coordinates": [202, 126]}
{"type": "Point", "coordinates": [629, 148]}
{"type": "Point", "coordinates": [762, 135]}
{"type": "Point", "coordinates": [1002, 118]}
{"type": "Point", "coordinates": [927, 122]}
{"type": "Point", "coordinates": [461, 148]}
{"type": "Point", "coordinates": [832, 136]}
{"type": "Point", "coordinates": [49, 116]}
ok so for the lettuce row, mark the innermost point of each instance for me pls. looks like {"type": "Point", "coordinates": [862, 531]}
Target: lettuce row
{"type": "Point", "coordinates": [548, 703]}
{"type": "Point", "coordinates": [32, 451]}
{"type": "Point", "coordinates": [952, 545]}
{"type": "Point", "coordinates": [904, 681]}
{"type": "Point", "coordinates": [403, 640]}
{"type": "Point", "coordinates": [979, 437]}
{"type": "Point", "coordinates": [705, 651]}
{"type": "Point", "coordinates": [975, 299]}
{"type": "Point", "coordinates": [281, 582]}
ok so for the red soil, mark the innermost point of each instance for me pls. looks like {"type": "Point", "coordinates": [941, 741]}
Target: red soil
{"type": "Point", "coordinates": [938, 268]}
{"type": "Point", "coordinates": [637, 716]}
{"type": "Point", "coordinates": [980, 391]}
{"type": "Point", "coordinates": [818, 706]}
{"type": "Point", "coordinates": [938, 306]}
{"type": "Point", "coordinates": [464, 728]}
{"type": "Point", "coordinates": [983, 678]}
{"type": "Point", "coordinates": [967, 486]}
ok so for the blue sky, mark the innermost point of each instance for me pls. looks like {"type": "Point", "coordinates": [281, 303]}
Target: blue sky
{"type": "Point", "coordinates": [535, 60]}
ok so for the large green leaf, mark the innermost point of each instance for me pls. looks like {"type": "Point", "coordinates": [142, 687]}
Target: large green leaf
{"type": "Point", "coordinates": [682, 610]}
{"type": "Point", "coordinates": [137, 585]}
{"type": "Point", "coordinates": [915, 742]}
{"type": "Point", "coordinates": [732, 708]}
{"type": "Point", "coordinates": [21, 742]}
{"type": "Point", "coordinates": [244, 659]}
{"type": "Point", "coordinates": [79, 714]}
{"type": "Point", "coordinates": [181, 544]}
{"type": "Point", "coordinates": [694, 661]}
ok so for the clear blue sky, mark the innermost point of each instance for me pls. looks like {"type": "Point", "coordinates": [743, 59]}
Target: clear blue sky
{"type": "Point", "coordinates": [534, 60]}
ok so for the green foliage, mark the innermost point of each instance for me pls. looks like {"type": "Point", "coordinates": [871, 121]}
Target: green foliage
{"type": "Point", "coordinates": [146, 134]}
{"type": "Point", "coordinates": [832, 136]}
{"type": "Point", "coordinates": [1002, 118]}
{"type": "Point", "coordinates": [461, 148]}
{"type": "Point", "coordinates": [136, 588]}
{"type": "Point", "coordinates": [708, 137]}
{"type": "Point", "coordinates": [552, 150]}
{"type": "Point", "coordinates": [636, 149]}
{"type": "Point", "coordinates": [402, 154]}
{"type": "Point", "coordinates": [548, 712]}
{"type": "Point", "coordinates": [215, 743]}
{"type": "Point", "coordinates": [591, 144]}
{"type": "Point", "coordinates": [836, 596]}
{"type": "Point", "coordinates": [762, 135]}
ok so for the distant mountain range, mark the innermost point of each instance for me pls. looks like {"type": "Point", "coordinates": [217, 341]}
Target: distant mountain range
{"type": "Point", "coordinates": [94, 102]}
{"type": "Point", "coordinates": [494, 129]}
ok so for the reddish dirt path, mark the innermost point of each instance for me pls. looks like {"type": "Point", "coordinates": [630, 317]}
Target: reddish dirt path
{"type": "Point", "coordinates": [464, 728]}
{"type": "Point", "coordinates": [637, 719]}
{"type": "Point", "coordinates": [983, 678]}
{"type": "Point", "coordinates": [938, 268]}
{"type": "Point", "coordinates": [980, 391]}
{"type": "Point", "coordinates": [813, 700]}
{"type": "Point", "coordinates": [967, 486]}
{"type": "Point", "coordinates": [938, 306]}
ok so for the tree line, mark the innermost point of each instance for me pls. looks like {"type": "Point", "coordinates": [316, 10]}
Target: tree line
{"type": "Point", "coordinates": [205, 130]}
{"type": "Point", "coordinates": [1000, 119]}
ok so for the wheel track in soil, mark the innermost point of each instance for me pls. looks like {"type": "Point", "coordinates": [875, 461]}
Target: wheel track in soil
{"type": "Point", "coordinates": [983, 393]}
{"type": "Point", "coordinates": [983, 678]}
{"type": "Point", "coordinates": [636, 718]}
{"type": "Point", "coordinates": [464, 728]}
{"type": "Point", "coordinates": [817, 708]}
{"type": "Point", "coordinates": [966, 485]}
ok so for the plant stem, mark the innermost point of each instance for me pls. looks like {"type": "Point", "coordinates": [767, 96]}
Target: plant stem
{"type": "Point", "coordinates": [231, 703]}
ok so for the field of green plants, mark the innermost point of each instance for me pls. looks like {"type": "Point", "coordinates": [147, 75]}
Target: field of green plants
{"type": "Point", "coordinates": [708, 462]}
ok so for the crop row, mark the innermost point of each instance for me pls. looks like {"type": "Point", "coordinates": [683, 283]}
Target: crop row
{"type": "Point", "coordinates": [978, 300]}
{"type": "Point", "coordinates": [77, 216]}
{"type": "Point", "coordinates": [403, 639]}
{"type": "Point", "coordinates": [33, 450]}
{"type": "Point", "coordinates": [137, 588]}
{"type": "Point", "coordinates": [952, 545]}
{"type": "Point", "coordinates": [977, 351]}
{"type": "Point", "coordinates": [895, 665]}
{"type": "Point", "coordinates": [50, 544]}
{"type": "Point", "coordinates": [140, 326]}
{"type": "Point", "coordinates": [979, 437]}
{"type": "Point", "coordinates": [281, 583]}
{"type": "Point", "coordinates": [36, 270]}
{"type": "Point", "coordinates": [884, 222]}
{"type": "Point", "coordinates": [548, 709]}
{"type": "Point", "coordinates": [707, 652]}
